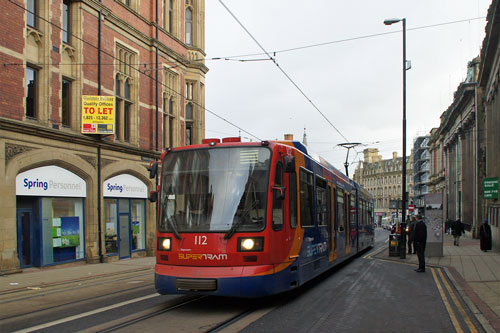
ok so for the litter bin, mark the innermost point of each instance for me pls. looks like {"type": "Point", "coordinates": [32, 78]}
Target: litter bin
{"type": "Point", "coordinates": [394, 245]}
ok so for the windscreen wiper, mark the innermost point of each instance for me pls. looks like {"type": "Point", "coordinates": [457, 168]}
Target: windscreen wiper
{"type": "Point", "coordinates": [173, 224]}
{"type": "Point", "coordinates": [235, 226]}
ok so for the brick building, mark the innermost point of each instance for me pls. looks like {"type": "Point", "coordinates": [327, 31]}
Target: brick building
{"type": "Point", "coordinates": [68, 196]}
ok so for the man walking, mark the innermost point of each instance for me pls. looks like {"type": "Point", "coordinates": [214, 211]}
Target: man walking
{"type": "Point", "coordinates": [420, 239]}
{"type": "Point", "coordinates": [458, 230]}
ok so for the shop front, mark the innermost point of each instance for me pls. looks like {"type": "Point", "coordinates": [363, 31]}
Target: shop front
{"type": "Point", "coordinates": [50, 216]}
{"type": "Point", "coordinates": [125, 215]}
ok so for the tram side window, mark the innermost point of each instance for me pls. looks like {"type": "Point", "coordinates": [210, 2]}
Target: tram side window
{"type": "Point", "coordinates": [306, 198]}
{"type": "Point", "coordinates": [341, 213]}
{"type": "Point", "coordinates": [293, 200]}
{"type": "Point", "coordinates": [321, 201]}
{"type": "Point", "coordinates": [278, 202]}
{"type": "Point", "coordinates": [352, 209]}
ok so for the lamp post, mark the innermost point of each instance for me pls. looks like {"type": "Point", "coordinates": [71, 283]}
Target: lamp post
{"type": "Point", "coordinates": [403, 208]}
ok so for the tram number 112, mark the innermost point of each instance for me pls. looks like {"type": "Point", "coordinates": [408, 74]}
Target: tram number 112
{"type": "Point", "coordinates": [200, 240]}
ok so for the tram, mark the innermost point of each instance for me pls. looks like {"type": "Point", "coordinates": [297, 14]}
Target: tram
{"type": "Point", "coordinates": [251, 219]}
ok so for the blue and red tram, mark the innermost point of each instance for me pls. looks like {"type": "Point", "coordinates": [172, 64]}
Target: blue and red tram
{"type": "Point", "coordinates": [251, 219]}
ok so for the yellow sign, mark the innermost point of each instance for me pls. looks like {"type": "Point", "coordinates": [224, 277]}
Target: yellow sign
{"type": "Point", "coordinates": [98, 114]}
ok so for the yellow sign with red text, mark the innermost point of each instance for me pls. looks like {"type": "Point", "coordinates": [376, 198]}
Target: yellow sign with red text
{"type": "Point", "coordinates": [98, 114]}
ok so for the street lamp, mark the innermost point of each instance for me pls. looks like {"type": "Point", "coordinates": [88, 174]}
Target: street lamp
{"type": "Point", "coordinates": [403, 209]}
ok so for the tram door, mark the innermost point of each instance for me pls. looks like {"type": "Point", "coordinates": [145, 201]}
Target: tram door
{"type": "Point", "coordinates": [124, 221]}
{"type": "Point", "coordinates": [331, 224]}
{"type": "Point", "coordinates": [281, 213]}
{"type": "Point", "coordinates": [26, 237]}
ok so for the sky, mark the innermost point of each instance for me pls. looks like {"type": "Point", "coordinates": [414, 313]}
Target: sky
{"type": "Point", "coordinates": [347, 89]}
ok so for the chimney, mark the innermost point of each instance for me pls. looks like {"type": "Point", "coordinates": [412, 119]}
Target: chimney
{"type": "Point", "coordinates": [289, 137]}
{"type": "Point", "coordinates": [394, 155]}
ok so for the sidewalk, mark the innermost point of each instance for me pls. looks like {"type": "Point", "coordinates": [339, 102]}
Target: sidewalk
{"type": "Point", "coordinates": [38, 277]}
{"type": "Point", "coordinates": [476, 275]}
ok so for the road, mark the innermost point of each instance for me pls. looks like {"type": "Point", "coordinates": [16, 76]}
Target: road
{"type": "Point", "coordinates": [365, 294]}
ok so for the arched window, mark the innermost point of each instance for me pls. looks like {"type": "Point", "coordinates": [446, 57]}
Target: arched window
{"type": "Point", "coordinates": [118, 105]}
{"type": "Point", "coordinates": [189, 26]}
{"type": "Point", "coordinates": [126, 111]}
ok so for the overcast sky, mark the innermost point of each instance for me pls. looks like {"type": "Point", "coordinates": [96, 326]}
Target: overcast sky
{"type": "Point", "coordinates": [355, 79]}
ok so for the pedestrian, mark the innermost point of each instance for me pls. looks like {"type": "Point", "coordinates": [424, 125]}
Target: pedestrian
{"type": "Point", "coordinates": [485, 236]}
{"type": "Point", "coordinates": [411, 232]}
{"type": "Point", "coordinates": [458, 230]}
{"type": "Point", "coordinates": [420, 238]}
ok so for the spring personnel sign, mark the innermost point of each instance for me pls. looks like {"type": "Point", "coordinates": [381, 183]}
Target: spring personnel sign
{"type": "Point", "coordinates": [98, 114]}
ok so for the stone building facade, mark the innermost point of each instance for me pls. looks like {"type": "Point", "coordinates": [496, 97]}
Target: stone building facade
{"type": "Point", "coordinates": [465, 156]}
{"type": "Point", "coordinates": [458, 131]}
{"type": "Point", "coordinates": [489, 120]}
{"type": "Point", "coordinates": [382, 178]}
{"type": "Point", "coordinates": [68, 196]}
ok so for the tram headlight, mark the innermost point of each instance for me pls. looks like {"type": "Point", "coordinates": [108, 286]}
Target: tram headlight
{"type": "Point", "coordinates": [164, 244]}
{"type": "Point", "coordinates": [250, 244]}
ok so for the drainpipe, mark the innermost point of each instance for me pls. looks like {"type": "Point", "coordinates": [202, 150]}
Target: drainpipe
{"type": "Point", "coordinates": [99, 208]}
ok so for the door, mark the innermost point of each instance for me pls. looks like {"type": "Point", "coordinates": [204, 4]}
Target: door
{"type": "Point", "coordinates": [26, 237]}
{"type": "Point", "coordinates": [124, 228]}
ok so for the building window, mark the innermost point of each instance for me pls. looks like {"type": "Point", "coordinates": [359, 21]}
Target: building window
{"type": "Point", "coordinates": [31, 92]}
{"type": "Point", "coordinates": [189, 123]}
{"type": "Point", "coordinates": [171, 122]}
{"type": "Point", "coordinates": [66, 103]}
{"type": "Point", "coordinates": [32, 13]}
{"type": "Point", "coordinates": [189, 91]}
{"type": "Point", "coordinates": [124, 95]}
{"type": "Point", "coordinates": [66, 28]}
{"type": "Point", "coordinates": [165, 123]}
{"type": "Point", "coordinates": [189, 26]}
{"type": "Point", "coordinates": [126, 112]}
{"type": "Point", "coordinates": [118, 104]}
{"type": "Point", "coordinates": [168, 15]}
{"type": "Point", "coordinates": [171, 16]}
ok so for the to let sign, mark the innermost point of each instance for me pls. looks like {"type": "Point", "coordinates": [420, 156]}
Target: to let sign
{"type": "Point", "coordinates": [98, 114]}
{"type": "Point", "coordinates": [490, 188]}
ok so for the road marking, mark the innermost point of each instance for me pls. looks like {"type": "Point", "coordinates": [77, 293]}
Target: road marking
{"type": "Point", "coordinates": [85, 314]}
{"type": "Point", "coordinates": [446, 303]}
{"type": "Point", "coordinates": [472, 328]}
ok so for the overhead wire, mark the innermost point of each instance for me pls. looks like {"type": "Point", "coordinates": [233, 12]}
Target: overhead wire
{"type": "Point", "coordinates": [138, 70]}
{"type": "Point", "coordinates": [281, 69]}
{"type": "Point", "coordinates": [347, 39]}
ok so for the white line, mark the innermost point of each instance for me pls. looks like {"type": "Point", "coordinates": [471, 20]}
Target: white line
{"type": "Point", "coordinates": [85, 314]}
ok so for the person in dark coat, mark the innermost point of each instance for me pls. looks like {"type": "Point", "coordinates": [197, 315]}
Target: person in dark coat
{"type": "Point", "coordinates": [420, 238]}
{"type": "Point", "coordinates": [485, 236]}
{"type": "Point", "coordinates": [457, 231]}
{"type": "Point", "coordinates": [411, 231]}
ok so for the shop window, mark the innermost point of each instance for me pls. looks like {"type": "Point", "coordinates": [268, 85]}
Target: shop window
{"type": "Point", "coordinates": [62, 230]}
{"type": "Point", "coordinates": [111, 219]}
{"type": "Point", "coordinates": [138, 225]}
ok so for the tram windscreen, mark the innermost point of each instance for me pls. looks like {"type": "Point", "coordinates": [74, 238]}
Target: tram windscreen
{"type": "Point", "coordinates": [214, 190]}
